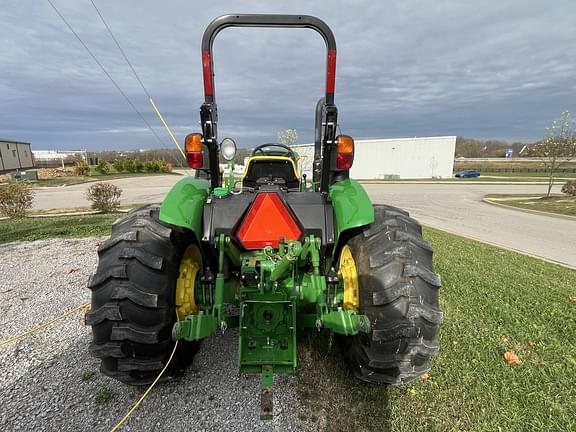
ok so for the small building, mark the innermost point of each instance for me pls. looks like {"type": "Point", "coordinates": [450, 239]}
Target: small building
{"type": "Point", "coordinates": [15, 155]}
{"type": "Point", "coordinates": [397, 158]}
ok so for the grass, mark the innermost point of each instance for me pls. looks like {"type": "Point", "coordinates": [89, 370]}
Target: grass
{"type": "Point", "coordinates": [104, 396]}
{"type": "Point", "coordinates": [452, 180]}
{"type": "Point", "coordinates": [507, 164]}
{"type": "Point", "coordinates": [88, 375]}
{"type": "Point", "coordinates": [564, 205]}
{"type": "Point", "coordinates": [56, 227]}
{"type": "Point", "coordinates": [539, 176]}
{"type": "Point", "coordinates": [94, 176]}
{"type": "Point", "coordinates": [494, 301]}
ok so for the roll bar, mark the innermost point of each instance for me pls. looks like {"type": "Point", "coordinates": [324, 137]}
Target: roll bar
{"type": "Point", "coordinates": [270, 21]}
{"type": "Point", "coordinates": [209, 112]}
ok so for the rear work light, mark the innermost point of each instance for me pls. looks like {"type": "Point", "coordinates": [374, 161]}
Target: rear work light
{"type": "Point", "coordinates": [267, 221]}
{"type": "Point", "coordinates": [193, 146]}
{"type": "Point", "coordinates": [344, 152]}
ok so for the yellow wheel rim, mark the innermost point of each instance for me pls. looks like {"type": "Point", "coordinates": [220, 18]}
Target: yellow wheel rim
{"type": "Point", "coordinates": [190, 266]}
{"type": "Point", "coordinates": [349, 276]}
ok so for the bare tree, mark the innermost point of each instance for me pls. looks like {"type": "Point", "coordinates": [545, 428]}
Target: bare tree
{"type": "Point", "coordinates": [558, 147]}
{"type": "Point", "coordinates": [288, 137]}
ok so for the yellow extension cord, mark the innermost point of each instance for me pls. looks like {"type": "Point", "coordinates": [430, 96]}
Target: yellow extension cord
{"type": "Point", "coordinates": [77, 309]}
{"type": "Point", "coordinates": [42, 325]}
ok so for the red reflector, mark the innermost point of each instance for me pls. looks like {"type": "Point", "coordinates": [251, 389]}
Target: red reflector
{"type": "Point", "coordinates": [207, 73]}
{"type": "Point", "coordinates": [268, 220]}
{"type": "Point", "coordinates": [331, 71]}
{"type": "Point", "coordinates": [195, 160]}
{"type": "Point", "coordinates": [344, 161]}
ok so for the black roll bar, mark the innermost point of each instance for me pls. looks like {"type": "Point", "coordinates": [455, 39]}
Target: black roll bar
{"type": "Point", "coordinates": [209, 111]}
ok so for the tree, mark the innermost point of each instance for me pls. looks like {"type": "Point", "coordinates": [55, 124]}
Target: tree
{"type": "Point", "coordinates": [558, 146]}
{"type": "Point", "coordinates": [288, 137]}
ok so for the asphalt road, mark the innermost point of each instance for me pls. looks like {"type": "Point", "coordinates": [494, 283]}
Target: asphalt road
{"type": "Point", "coordinates": [457, 208]}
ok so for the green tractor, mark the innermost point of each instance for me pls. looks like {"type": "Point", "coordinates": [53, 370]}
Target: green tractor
{"type": "Point", "coordinates": [269, 254]}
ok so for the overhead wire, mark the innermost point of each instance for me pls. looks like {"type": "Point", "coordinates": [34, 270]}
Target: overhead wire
{"type": "Point", "coordinates": [107, 73]}
{"type": "Point", "coordinates": [150, 99]}
{"type": "Point", "coordinates": [121, 50]}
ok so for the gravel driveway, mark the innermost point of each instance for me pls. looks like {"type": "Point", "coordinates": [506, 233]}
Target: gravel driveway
{"type": "Point", "coordinates": [49, 382]}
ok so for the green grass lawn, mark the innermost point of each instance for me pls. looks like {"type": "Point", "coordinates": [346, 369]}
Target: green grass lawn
{"type": "Point", "coordinates": [559, 204]}
{"type": "Point", "coordinates": [539, 175]}
{"type": "Point", "coordinates": [94, 176]}
{"type": "Point", "coordinates": [494, 301]}
{"type": "Point", "coordinates": [52, 227]}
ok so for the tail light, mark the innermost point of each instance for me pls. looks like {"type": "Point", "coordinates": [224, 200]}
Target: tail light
{"type": "Point", "coordinates": [344, 152]}
{"type": "Point", "coordinates": [267, 221]}
{"type": "Point", "coordinates": [193, 146]}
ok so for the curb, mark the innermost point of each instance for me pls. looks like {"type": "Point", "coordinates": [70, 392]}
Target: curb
{"type": "Point", "coordinates": [536, 212]}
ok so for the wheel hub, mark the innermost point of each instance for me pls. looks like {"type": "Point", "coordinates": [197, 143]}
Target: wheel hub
{"type": "Point", "coordinates": [190, 266]}
{"type": "Point", "coordinates": [349, 275]}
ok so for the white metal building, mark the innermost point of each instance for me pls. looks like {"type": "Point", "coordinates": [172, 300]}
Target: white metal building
{"type": "Point", "coordinates": [15, 155]}
{"type": "Point", "coordinates": [405, 158]}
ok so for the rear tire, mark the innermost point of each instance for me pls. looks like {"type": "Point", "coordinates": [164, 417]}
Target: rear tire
{"type": "Point", "coordinates": [133, 299]}
{"type": "Point", "coordinates": [399, 293]}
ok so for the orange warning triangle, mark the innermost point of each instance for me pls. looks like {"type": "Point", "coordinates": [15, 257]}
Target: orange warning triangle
{"type": "Point", "coordinates": [267, 221]}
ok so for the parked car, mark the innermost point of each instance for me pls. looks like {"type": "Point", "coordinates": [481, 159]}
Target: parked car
{"type": "Point", "coordinates": [468, 174]}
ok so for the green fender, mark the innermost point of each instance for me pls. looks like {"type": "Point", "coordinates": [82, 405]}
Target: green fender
{"type": "Point", "coordinates": [184, 204]}
{"type": "Point", "coordinates": [352, 206]}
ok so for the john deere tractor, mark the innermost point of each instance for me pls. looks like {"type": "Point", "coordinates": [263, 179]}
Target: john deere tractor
{"type": "Point", "coordinates": [267, 254]}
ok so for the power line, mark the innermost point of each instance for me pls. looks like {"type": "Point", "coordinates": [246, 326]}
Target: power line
{"type": "Point", "coordinates": [150, 99]}
{"type": "Point", "coordinates": [106, 72]}
{"type": "Point", "coordinates": [121, 50]}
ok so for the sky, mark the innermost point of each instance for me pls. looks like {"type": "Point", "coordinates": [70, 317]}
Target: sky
{"type": "Point", "coordinates": [487, 70]}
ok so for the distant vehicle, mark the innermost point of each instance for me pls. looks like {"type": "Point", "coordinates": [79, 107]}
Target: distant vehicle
{"type": "Point", "coordinates": [468, 174]}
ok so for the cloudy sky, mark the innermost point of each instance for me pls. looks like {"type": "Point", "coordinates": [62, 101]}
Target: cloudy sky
{"type": "Point", "coordinates": [490, 69]}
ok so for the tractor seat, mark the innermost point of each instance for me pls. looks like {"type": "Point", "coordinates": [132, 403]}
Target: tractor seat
{"type": "Point", "coordinates": [270, 171]}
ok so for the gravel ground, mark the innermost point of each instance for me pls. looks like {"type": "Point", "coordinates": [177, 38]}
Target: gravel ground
{"type": "Point", "coordinates": [50, 382]}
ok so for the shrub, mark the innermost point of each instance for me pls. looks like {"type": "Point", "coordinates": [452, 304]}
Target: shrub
{"type": "Point", "coordinates": [569, 188]}
{"type": "Point", "coordinates": [139, 165]}
{"type": "Point", "coordinates": [130, 165]}
{"type": "Point", "coordinates": [151, 166]}
{"type": "Point", "coordinates": [105, 197]}
{"type": "Point", "coordinates": [103, 167]}
{"type": "Point", "coordinates": [15, 199]}
{"type": "Point", "coordinates": [80, 168]}
{"type": "Point", "coordinates": [165, 167]}
{"type": "Point", "coordinates": [118, 165]}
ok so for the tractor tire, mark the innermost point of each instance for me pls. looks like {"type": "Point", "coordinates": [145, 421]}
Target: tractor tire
{"type": "Point", "coordinates": [133, 299]}
{"type": "Point", "coordinates": [398, 291]}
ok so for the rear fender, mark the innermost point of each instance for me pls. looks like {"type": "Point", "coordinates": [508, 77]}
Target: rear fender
{"type": "Point", "coordinates": [352, 206]}
{"type": "Point", "coordinates": [184, 204]}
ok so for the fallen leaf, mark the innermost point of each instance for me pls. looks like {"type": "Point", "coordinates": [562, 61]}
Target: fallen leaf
{"type": "Point", "coordinates": [72, 270]}
{"type": "Point", "coordinates": [573, 298]}
{"type": "Point", "coordinates": [531, 343]}
{"type": "Point", "coordinates": [511, 358]}
{"type": "Point", "coordinates": [83, 310]}
{"type": "Point", "coordinates": [412, 392]}
{"type": "Point", "coordinates": [425, 376]}
{"type": "Point", "coordinates": [98, 243]}
{"type": "Point", "coordinates": [504, 339]}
